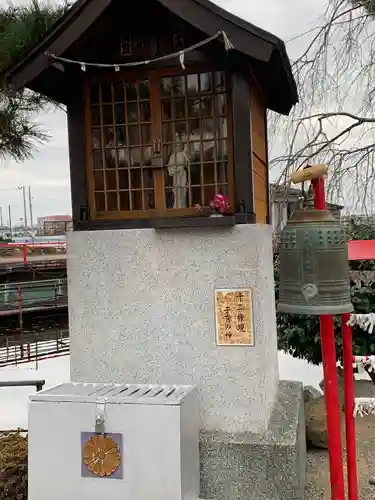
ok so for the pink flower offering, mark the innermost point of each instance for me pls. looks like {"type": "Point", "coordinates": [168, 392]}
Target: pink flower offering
{"type": "Point", "coordinates": [219, 203]}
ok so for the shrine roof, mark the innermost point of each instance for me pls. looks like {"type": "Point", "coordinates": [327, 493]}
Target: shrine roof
{"type": "Point", "coordinates": [248, 40]}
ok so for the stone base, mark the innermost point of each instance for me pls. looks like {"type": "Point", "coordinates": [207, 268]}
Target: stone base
{"type": "Point", "coordinates": [270, 466]}
{"type": "Point", "coordinates": [142, 310]}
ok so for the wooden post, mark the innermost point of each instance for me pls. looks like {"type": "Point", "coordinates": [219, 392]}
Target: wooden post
{"type": "Point", "coordinates": [310, 173]}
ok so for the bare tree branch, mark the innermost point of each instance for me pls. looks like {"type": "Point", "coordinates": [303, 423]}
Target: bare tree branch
{"type": "Point", "coordinates": [335, 120]}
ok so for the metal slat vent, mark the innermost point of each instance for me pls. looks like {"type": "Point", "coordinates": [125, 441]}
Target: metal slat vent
{"type": "Point", "coordinates": [128, 391]}
{"type": "Point", "coordinates": [115, 393]}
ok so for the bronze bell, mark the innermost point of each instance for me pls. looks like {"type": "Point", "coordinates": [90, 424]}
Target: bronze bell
{"type": "Point", "coordinates": [314, 267]}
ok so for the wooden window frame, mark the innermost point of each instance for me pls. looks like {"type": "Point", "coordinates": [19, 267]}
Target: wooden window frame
{"type": "Point", "coordinates": [154, 77]}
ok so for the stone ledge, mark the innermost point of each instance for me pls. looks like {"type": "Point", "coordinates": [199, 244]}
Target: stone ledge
{"type": "Point", "coordinates": [178, 222]}
{"type": "Point", "coordinates": [248, 466]}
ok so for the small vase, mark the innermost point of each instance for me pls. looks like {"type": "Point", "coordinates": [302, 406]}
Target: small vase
{"type": "Point", "coordinates": [216, 214]}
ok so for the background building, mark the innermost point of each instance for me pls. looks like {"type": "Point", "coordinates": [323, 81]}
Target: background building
{"type": "Point", "coordinates": [54, 225]}
{"type": "Point", "coordinates": [285, 201]}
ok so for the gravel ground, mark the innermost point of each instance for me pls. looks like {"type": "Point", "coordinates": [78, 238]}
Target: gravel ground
{"type": "Point", "coordinates": [318, 485]}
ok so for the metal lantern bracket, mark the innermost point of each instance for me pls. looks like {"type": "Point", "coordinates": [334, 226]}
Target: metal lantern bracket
{"type": "Point", "coordinates": [101, 415]}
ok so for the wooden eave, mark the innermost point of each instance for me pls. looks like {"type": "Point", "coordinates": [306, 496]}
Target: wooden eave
{"type": "Point", "coordinates": [249, 40]}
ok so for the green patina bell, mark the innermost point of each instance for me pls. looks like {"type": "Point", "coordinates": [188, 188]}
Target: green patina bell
{"type": "Point", "coordinates": [314, 267]}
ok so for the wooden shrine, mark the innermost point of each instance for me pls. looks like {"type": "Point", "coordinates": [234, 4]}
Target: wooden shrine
{"type": "Point", "coordinates": [151, 137]}
{"type": "Point", "coordinates": [167, 107]}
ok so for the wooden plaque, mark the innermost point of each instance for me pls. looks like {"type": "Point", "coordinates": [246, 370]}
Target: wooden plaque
{"type": "Point", "coordinates": [234, 317]}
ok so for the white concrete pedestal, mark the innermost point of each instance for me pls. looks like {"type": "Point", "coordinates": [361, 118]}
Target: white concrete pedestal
{"type": "Point", "coordinates": [141, 305]}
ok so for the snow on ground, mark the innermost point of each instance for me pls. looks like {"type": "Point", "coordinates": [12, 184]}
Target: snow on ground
{"type": "Point", "coordinates": [298, 369]}
{"type": "Point", "coordinates": [14, 400]}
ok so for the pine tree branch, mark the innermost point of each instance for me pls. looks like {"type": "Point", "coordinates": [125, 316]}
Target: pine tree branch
{"type": "Point", "coordinates": [21, 27]}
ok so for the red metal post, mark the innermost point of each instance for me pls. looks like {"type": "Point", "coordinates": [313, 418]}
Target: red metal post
{"type": "Point", "coordinates": [331, 391]}
{"type": "Point", "coordinates": [20, 319]}
{"type": "Point", "coordinates": [20, 306]}
{"type": "Point", "coordinates": [25, 255]}
{"type": "Point", "coordinates": [351, 451]}
{"type": "Point", "coordinates": [319, 194]}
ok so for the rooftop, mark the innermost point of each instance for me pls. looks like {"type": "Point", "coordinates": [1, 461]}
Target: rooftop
{"type": "Point", "coordinates": [259, 51]}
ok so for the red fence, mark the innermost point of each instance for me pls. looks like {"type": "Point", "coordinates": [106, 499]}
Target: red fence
{"type": "Point", "coordinates": [27, 249]}
{"type": "Point", "coordinates": [361, 249]}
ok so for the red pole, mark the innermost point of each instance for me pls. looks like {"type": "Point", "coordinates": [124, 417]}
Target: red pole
{"type": "Point", "coordinates": [331, 390]}
{"type": "Point", "coordinates": [351, 451]}
{"type": "Point", "coordinates": [20, 307]}
{"type": "Point", "coordinates": [319, 194]}
{"type": "Point", "coordinates": [25, 255]}
{"type": "Point", "coordinates": [20, 318]}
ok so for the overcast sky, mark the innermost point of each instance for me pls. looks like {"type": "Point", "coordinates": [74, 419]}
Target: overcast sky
{"type": "Point", "coordinates": [48, 172]}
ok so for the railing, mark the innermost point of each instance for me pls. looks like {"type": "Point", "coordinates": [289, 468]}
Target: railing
{"type": "Point", "coordinates": [33, 295]}
{"type": "Point", "coordinates": [25, 348]}
{"type": "Point", "coordinates": [37, 383]}
{"type": "Point", "coordinates": [31, 251]}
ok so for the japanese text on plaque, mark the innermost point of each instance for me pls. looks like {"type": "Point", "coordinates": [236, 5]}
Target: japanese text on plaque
{"type": "Point", "coordinates": [234, 317]}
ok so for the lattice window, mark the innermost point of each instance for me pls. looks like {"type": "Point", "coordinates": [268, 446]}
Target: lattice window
{"type": "Point", "coordinates": [194, 138]}
{"type": "Point", "coordinates": [121, 146]}
{"type": "Point", "coordinates": [181, 121]}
